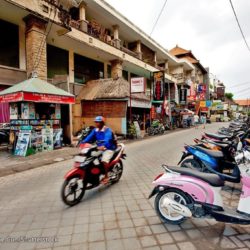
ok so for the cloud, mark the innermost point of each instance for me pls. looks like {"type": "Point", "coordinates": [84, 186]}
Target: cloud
{"type": "Point", "coordinates": [207, 27]}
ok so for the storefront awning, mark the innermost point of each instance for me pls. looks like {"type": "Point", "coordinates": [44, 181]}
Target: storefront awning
{"type": "Point", "coordinates": [36, 90]}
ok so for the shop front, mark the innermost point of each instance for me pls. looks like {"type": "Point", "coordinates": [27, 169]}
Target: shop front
{"type": "Point", "coordinates": [36, 120]}
{"type": "Point", "coordinates": [111, 99]}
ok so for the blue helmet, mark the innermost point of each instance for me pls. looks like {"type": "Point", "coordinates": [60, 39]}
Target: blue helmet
{"type": "Point", "coordinates": [99, 119]}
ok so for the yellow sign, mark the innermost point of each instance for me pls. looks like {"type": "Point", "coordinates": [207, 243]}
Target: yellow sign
{"type": "Point", "coordinates": [203, 104]}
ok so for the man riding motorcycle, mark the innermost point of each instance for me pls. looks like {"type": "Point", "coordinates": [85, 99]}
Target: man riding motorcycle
{"type": "Point", "coordinates": [104, 137]}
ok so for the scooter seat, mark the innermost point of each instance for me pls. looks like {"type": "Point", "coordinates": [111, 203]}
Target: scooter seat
{"type": "Point", "coordinates": [219, 137]}
{"type": "Point", "coordinates": [212, 179]}
{"type": "Point", "coordinates": [213, 153]}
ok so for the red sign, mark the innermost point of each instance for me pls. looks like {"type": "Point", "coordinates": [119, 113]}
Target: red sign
{"type": "Point", "coordinates": [15, 97]}
{"type": "Point", "coordinates": [204, 109]}
{"type": "Point", "coordinates": [35, 97]}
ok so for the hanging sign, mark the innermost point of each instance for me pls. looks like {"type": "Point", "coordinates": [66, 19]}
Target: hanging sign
{"type": "Point", "coordinates": [137, 85]}
{"type": "Point", "coordinates": [183, 96]}
{"type": "Point", "coordinates": [158, 86]}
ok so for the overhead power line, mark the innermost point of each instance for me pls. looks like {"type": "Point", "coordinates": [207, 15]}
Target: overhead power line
{"type": "Point", "coordinates": [237, 20]}
{"type": "Point", "coordinates": [238, 84]}
{"type": "Point", "coordinates": [158, 17]}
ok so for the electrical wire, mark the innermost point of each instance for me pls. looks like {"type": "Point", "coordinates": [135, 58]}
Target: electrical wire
{"type": "Point", "coordinates": [242, 90]}
{"type": "Point", "coordinates": [238, 84]}
{"type": "Point", "coordinates": [237, 20]}
{"type": "Point", "coordinates": [39, 53]}
{"type": "Point", "coordinates": [158, 17]}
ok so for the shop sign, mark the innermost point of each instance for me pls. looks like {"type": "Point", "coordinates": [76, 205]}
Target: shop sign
{"type": "Point", "coordinates": [183, 96]}
{"type": "Point", "coordinates": [139, 104]}
{"type": "Point", "coordinates": [204, 109]}
{"type": "Point", "coordinates": [35, 97]}
{"type": "Point", "coordinates": [202, 104]}
{"type": "Point", "coordinates": [15, 97]}
{"type": "Point", "coordinates": [219, 107]}
{"type": "Point", "coordinates": [208, 103]}
{"type": "Point", "coordinates": [158, 86]}
{"type": "Point", "coordinates": [137, 85]}
{"type": "Point", "coordinates": [202, 88]}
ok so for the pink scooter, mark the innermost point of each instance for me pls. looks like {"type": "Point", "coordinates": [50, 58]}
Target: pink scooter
{"type": "Point", "coordinates": [183, 193]}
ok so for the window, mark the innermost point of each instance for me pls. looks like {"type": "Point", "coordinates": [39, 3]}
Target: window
{"type": "Point", "coordinates": [87, 69]}
{"type": "Point", "coordinates": [9, 44]}
{"type": "Point", "coordinates": [57, 61]}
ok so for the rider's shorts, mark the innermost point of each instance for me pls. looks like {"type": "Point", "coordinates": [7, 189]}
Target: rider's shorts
{"type": "Point", "coordinates": [107, 155]}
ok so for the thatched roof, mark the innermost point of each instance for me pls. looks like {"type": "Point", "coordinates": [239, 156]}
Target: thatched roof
{"type": "Point", "coordinates": [108, 89]}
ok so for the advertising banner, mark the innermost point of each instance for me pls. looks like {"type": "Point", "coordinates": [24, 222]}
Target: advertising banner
{"type": "Point", "coordinates": [37, 141]}
{"type": "Point", "coordinates": [47, 135]}
{"type": "Point", "coordinates": [158, 86]}
{"type": "Point", "coordinates": [137, 85]}
{"type": "Point", "coordinates": [22, 142]}
{"type": "Point", "coordinates": [57, 138]}
{"type": "Point", "coordinates": [13, 111]}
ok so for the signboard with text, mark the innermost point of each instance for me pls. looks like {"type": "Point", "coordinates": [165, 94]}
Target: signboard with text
{"type": "Point", "coordinates": [137, 85]}
{"type": "Point", "coordinates": [158, 86]}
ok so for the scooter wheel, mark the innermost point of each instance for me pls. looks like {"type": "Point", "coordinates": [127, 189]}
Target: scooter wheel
{"type": "Point", "coordinates": [73, 190]}
{"type": "Point", "coordinates": [168, 216]}
{"type": "Point", "coordinates": [117, 171]}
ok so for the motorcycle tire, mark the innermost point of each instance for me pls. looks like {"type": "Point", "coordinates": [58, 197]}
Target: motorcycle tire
{"type": "Point", "coordinates": [192, 164]}
{"type": "Point", "coordinates": [64, 196]}
{"type": "Point", "coordinates": [179, 197]}
{"type": "Point", "coordinates": [151, 131]}
{"type": "Point", "coordinates": [117, 170]}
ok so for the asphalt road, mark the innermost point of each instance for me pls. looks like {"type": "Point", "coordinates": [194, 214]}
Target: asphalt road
{"type": "Point", "coordinates": [32, 215]}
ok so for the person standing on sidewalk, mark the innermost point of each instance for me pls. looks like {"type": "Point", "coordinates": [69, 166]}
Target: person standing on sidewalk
{"type": "Point", "coordinates": [196, 121]}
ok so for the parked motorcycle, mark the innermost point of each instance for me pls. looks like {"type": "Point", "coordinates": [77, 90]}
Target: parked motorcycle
{"type": "Point", "coordinates": [156, 128]}
{"type": "Point", "coordinates": [83, 133]}
{"type": "Point", "coordinates": [4, 133]}
{"type": "Point", "coordinates": [88, 172]}
{"type": "Point", "coordinates": [185, 193]}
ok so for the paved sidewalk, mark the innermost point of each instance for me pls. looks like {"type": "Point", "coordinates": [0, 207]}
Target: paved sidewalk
{"type": "Point", "coordinates": [10, 164]}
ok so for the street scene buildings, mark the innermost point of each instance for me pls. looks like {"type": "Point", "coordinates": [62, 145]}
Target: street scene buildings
{"type": "Point", "coordinates": [69, 65]}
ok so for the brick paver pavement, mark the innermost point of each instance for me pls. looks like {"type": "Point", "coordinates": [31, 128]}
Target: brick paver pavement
{"type": "Point", "coordinates": [118, 217]}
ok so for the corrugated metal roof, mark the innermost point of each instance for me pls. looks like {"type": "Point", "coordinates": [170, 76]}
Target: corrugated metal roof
{"type": "Point", "coordinates": [35, 85]}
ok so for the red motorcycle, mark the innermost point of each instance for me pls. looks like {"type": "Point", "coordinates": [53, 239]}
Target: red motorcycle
{"type": "Point", "coordinates": [88, 171]}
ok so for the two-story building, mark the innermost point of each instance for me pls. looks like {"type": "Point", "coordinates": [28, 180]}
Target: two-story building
{"type": "Point", "coordinates": [195, 81]}
{"type": "Point", "coordinates": [70, 43]}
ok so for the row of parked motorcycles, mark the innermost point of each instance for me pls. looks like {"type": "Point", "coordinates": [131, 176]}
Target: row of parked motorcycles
{"type": "Point", "coordinates": [193, 189]}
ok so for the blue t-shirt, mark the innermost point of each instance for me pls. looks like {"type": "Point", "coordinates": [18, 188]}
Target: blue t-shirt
{"type": "Point", "coordinates": [103, 137]}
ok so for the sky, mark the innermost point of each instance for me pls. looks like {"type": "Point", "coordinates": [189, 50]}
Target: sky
{"type": "Point", "coordinates": [207, 27]}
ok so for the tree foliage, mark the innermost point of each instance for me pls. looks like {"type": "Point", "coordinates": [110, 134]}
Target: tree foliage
{"type": "Point", "coordinates": [229, 96]}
